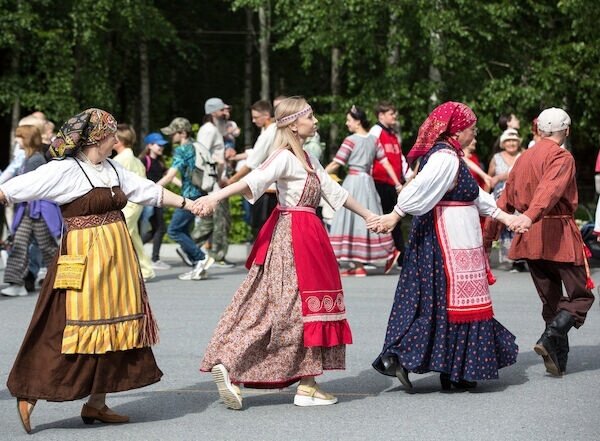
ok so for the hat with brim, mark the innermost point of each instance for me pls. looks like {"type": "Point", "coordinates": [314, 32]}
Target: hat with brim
{"type": "Point", "coordinates": [155, 138]}
{"type": "Point", "coordinates": [178, 124]}
{"type": "Point", "coordinates": [509, 135]}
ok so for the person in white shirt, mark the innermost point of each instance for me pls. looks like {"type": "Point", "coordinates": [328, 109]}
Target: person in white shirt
{"type": "Point", "coordinates": [286, 323]}
{"type": "Point", "coordinates": [215, 229]}
{"type": "Point", "coordinates": [261, 117]}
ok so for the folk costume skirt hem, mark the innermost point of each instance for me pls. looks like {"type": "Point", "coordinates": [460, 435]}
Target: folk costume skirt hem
{"type": "Point", "coordinates": [40, 371]}
{"type": "Point", "coordinates": [260, 337]}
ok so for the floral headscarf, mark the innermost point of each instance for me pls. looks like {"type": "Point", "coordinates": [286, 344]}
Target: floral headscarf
{"type": "Point", "coordinates": [446, 120]}
{"type": "Point", "coordinates": [86, 128]}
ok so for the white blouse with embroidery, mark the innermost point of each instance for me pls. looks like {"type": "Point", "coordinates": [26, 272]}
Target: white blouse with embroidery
{"type": "Point", "coordinates": [435, 179]}
{"type": "Point", "coordinates": [63, 182]}
{"type": "Point", "coordinates": [283, 168]}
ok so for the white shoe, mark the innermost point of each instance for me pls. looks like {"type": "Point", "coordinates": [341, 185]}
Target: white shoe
{"type": "Point", "coordinates": [14, 291]}
{"type": "Point", "coordinates": [199, 271]}
{"type": "Point", "coordinates": [192, 275]}
{"type": "Point", "coordinates": [160, 265]}
{"type": "Point", "coordinates": [41, 275]}
{"type": "Point", "coordinates": [230, 394]}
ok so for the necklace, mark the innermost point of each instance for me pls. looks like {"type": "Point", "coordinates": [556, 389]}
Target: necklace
{"type": "Point", "coordinates": [100, 170]}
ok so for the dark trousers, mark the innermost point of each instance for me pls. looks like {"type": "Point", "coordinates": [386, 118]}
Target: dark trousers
{"type": "Point", "coordinates": [389, 197]}
{"type": "Point", "coordinates": [261, 210]}
{"type": "Point", "coordinates": [548, 278]}
{"type": "Point", "coordinates": [156, 234]}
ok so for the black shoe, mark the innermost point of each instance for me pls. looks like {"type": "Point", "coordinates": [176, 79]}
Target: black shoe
{"type": "Point", "coordinates": [554, 341]}
{"type": "Point", "coordinates": [402, 375]}
{"type": "Point", "coordinates": [392, 367]}
{"type": "Point", "coordinates": [546, 348]}
{"type": "Point", "coordinates": [562, 355]}
{"type": "Point", "coordinates": [459, 386]}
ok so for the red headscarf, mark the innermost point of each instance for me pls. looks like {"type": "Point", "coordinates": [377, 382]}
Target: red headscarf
{"type": "Point", "coordinates": [446, 120]}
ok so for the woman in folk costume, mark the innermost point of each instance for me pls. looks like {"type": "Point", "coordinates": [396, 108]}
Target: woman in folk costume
{"type": "Point", "coordinates": [92, 327]}
{"type": "Point", "coordinates": [349, 236]}
{"type": "Point", "coordinates": [287, 321]}
{"type": "Point", "coordinates": [442, 318]}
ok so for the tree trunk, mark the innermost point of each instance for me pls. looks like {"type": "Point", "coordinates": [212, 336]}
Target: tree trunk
{"type": "Point", "coordinates": [264, 21]}
{"type": "Point", "coordinates": [248, 132]}
{"type": "Point", "coordinates": [335, 93]}
{"type": "Point", "coordinates": [144, 91]}
{"type": "Point", "coordinates": [16, 107]}
{"type": "Point", "coordinates": [393, 50]}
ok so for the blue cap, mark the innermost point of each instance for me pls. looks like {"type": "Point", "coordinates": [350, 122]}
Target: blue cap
{"type": "Point", "coordinates": [155, 138]}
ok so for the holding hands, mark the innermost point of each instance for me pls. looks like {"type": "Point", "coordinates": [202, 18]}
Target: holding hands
{"type": "Point", "coordinates": [518, 224]}
{"type": "Point", "coordinates": [204, 206]}
{"type": "Point", "coordinates": [384, 223]}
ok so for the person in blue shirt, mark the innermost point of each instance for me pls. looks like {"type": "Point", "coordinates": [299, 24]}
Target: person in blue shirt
{"type": "Point", "coordinates": [184, 161]}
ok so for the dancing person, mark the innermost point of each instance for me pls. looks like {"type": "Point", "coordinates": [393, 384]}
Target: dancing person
{"type": "Point", "coordinates": [442, 318]}
{"type": "Point", "coordinates": [350, 239]}
{"type": "Point", "coordinates": [72, 348]}
{"type": "Point", "coordinates": [287, 321]}
{"type": "Point", "coordinates": [37, 220]}
{"type": "Point", "coordinates": [499, 169]}
{"type": "Point", "coordinates": [542, 187]}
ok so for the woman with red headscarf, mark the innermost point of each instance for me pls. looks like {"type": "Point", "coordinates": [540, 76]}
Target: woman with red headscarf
{"type": "Point", "coordinates": [442, 317]}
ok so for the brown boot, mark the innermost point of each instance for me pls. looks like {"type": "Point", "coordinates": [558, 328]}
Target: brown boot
{"type": "Point", "coordinates": [89, 414]}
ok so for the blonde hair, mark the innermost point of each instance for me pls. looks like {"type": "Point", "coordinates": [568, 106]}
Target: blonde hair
{"type": "Point", "coordinates": [32, 139]}
{"type": "Point", "coordinates": [285, 137]}
{"type": "Point", "coordinates": [126, 134]}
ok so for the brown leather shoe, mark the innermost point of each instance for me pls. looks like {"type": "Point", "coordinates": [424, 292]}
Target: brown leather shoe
{"type": "Point", "coordinates": [25, 407]}
{"type": "Point", "coordinates": [89, 414]}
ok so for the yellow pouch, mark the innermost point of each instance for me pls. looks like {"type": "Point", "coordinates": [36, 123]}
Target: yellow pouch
{"type": "Point", "coordinates": [69, 272]}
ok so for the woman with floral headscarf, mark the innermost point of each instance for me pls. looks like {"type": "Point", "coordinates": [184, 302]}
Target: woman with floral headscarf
{"type": "Point", "coordinates": [442, 317]}
{"type": "Point", "coordinates": [287, 321]}
{"type": "Point", "coordinates": [92, 335]}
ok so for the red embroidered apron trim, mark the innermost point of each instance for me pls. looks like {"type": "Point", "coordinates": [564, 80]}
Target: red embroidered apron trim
{"type": "Point", "coordinates": [467, 291]}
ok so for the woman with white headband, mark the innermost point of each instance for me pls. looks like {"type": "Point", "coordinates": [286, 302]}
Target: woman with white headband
{"type": "Point", "coordinates": [287, 321]}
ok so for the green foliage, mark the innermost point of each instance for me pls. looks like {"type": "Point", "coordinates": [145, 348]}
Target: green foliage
{"type": "Point", "coordinates": [498, 56]}
{"type": "Point", "coordinates": [240, 231]}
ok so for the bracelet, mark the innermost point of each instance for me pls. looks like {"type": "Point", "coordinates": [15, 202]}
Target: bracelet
{"type": "Point", "coordinates": [183, 202]}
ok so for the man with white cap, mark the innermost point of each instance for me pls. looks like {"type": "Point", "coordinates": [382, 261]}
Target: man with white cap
{"type": "Point", "coordinates": [216, 228]}
{"type": "Point", "coordinates": [542, 187]}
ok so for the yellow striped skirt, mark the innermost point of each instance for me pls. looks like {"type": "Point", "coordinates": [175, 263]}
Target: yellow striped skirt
{"type": "Point", "coordinates": [107, 314]}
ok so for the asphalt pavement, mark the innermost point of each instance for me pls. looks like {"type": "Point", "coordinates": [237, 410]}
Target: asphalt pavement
{"type": "Point", "coordinates": [524, 404]}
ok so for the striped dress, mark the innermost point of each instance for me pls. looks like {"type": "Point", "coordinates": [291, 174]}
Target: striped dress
{"type": "Point", "coordinates": [349, 236]}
